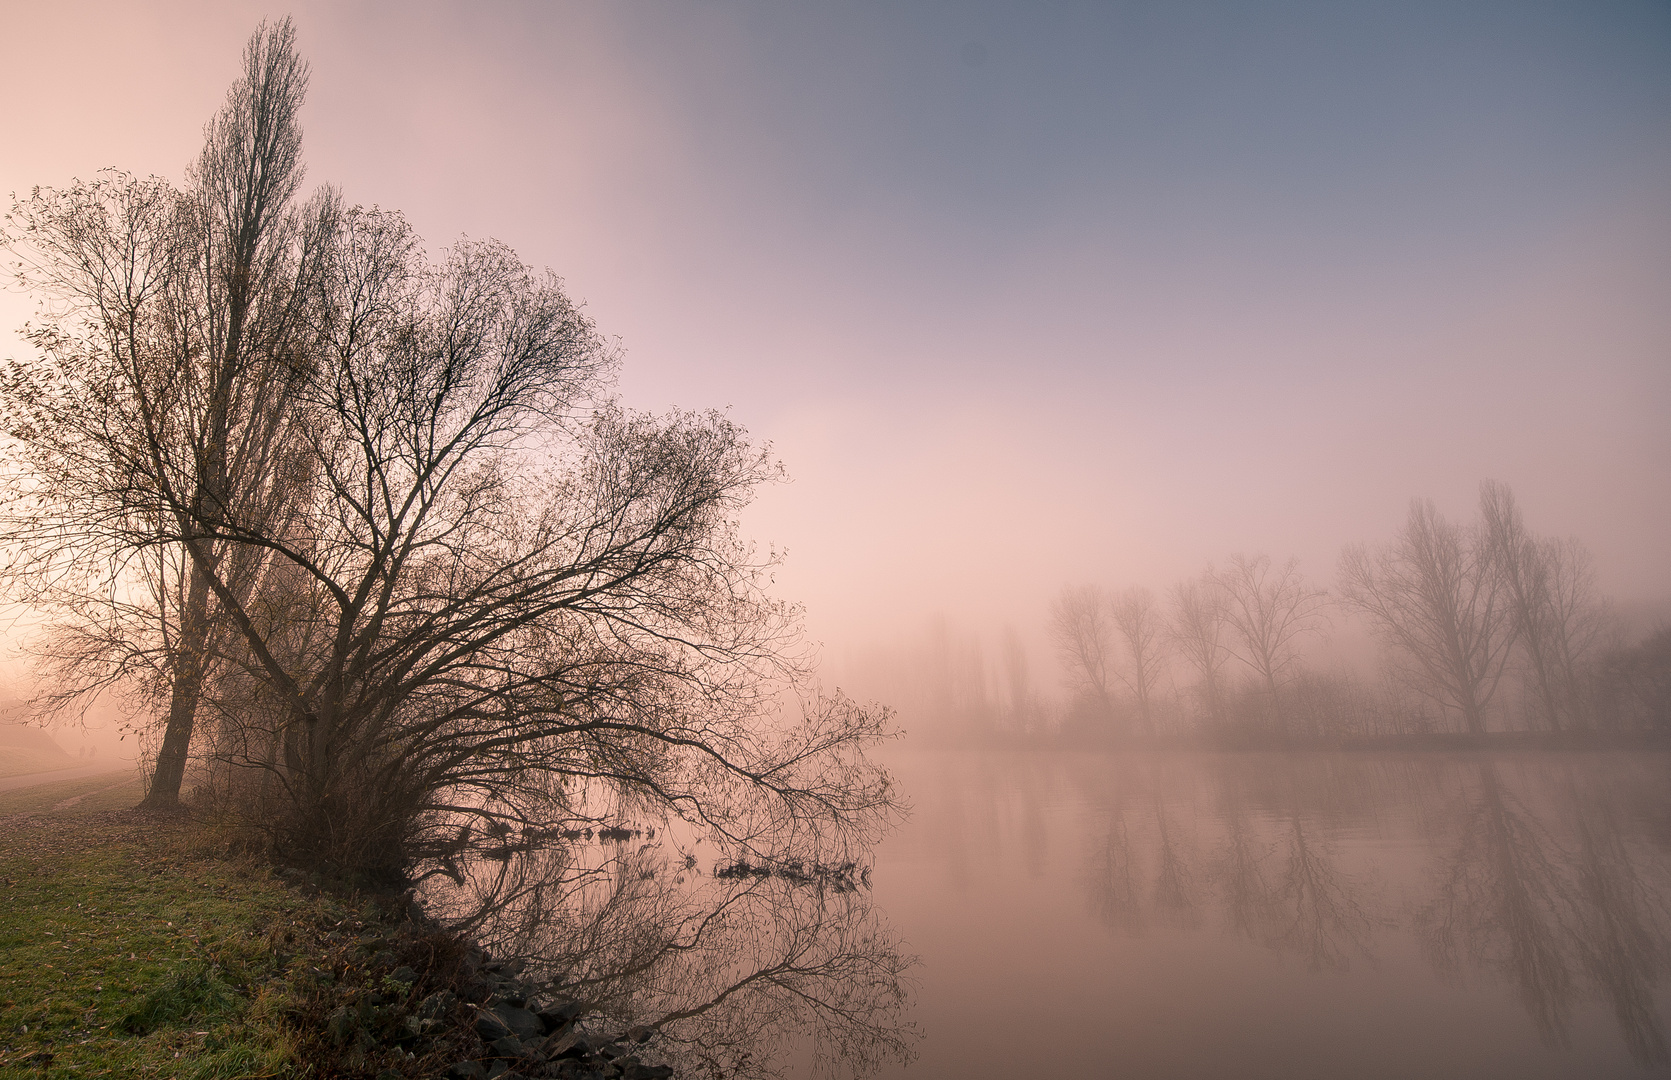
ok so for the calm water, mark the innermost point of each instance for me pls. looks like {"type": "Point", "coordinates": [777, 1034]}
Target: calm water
{"type": "Point", "coordinates": [1284, 916]}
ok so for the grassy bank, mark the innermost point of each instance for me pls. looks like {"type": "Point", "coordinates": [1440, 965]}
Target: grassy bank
{"type": "Point", "coordinates": [134, 946]}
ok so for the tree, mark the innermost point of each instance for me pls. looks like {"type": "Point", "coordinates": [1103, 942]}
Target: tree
{"type": "Point", "coordinates": [513, 599]}
{"type": "Point", "coordinates": [1197, 629]}
{"type": "Point", "coordinates": [1271, 611]}
{"type": "Point", "coordinates": [1558, 620]}
{"type": "Point", "coordinates": [458, 594]}
{"type": "Point", "coordinates": [1083, 634]}
{"type": "Point", "coordinates": [1138, 620]}
{"type": "Point", "coordinates": [164, 378]}
{"type": "Point", "coordinates": [1436, 594]}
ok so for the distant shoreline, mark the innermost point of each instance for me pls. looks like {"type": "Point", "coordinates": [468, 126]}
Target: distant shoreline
{"type": "Point", "coordinates": [1428, 742]}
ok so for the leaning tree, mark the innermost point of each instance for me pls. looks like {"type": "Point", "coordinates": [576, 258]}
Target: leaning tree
{"type": "Point", "coordinates": [382, 520]}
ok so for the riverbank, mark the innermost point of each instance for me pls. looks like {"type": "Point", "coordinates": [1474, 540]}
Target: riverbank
{"type": "Point", "coordinates": [138, 945]}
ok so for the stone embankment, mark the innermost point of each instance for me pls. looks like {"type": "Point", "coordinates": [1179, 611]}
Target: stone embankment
{"type": "Point", "coordinates": [525, 1037]}
{"type": "Point", "coordinates": [408, 993]}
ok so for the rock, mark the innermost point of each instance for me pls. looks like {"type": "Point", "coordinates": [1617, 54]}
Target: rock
{"type": "Point", "coordinates": [555, 1016]}
{"type": "Point", "coordinates": [510, 1046]}
{"type": "Point", "coordinates": [403, 974]}
{"type": "Point", "coordinates": [490, 1027]}
{"type": "Point", "coordinates": [570, 1044]}
{"type": "Point", "coordinates": [467, 1070]}
{"type": "Point", "coordinates": [638, 1033]}
{"type": "Point", "coordinates": [509, 968]}
{"type": "Point", "coordinates": [520, 1022]}
{"type": "Point", "coordinates": [647, 1072]}
{"type": "Point", "coordinates": [341, 1024]}
{"type": "Point", "coordinates": [437, 1005]}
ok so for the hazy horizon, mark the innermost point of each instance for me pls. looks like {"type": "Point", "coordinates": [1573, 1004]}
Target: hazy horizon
{"type": "Point", "coordinates": [1095, 294]}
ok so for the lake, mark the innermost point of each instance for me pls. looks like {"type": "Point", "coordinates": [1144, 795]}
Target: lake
{"type": "Point", "coordinates": [1285, 916]}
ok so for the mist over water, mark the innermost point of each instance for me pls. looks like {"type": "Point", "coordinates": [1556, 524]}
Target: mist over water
{"type": "Point", "coordinates": [1057, 319]}
{"type": "Point", "coordinates": [1268, 915]}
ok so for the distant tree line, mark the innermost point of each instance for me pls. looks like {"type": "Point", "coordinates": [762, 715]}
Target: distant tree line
{"type": "Point", "coordinates": [1485, 626]}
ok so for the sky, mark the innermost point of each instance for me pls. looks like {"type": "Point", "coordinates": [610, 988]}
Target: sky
{"type": "Point", "coordinates": [1022, 294]}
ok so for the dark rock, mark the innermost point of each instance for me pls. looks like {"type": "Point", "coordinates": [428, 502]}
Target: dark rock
{"type": "Point", "coordinates": [510, 1046]}
{"type": "Point", "coordinates": [403, 974]}
{"type": "Point", "coordinates": [520, 1022]}
{"type": "Point", "coordinates": [611, 1050]}
{"type": "Point", "coordinates": [490, 1027]}
{"type": "Point", "coordinates": [467, 1070]}
{"type": "Point", "coordinates": [437, 1005]}
{"type": "Point", "coordinates": [341, 1025]}
{"type": "Point", "coordinates": [638, 1033]}
{"type": "Point", "coordinates": [570, 1044]}
{"type": "Point", "coordinates": [509, 968]}
{"type": "Point", "coordinates": [555, 1016]}
{"type": "Point", "coordinates": [646, 1072]}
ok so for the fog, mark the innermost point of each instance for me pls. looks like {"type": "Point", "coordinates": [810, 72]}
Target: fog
{"type": "Point", "coordinates": [1022, 300]}
{"type": "Point", "coordinates": [1095, 296]}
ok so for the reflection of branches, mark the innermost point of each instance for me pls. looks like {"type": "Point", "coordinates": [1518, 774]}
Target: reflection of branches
{"type": "Point", "coordinates": [1113, 879]}
{"type": "Point", "coordinates": [729, 971]}
{"type": "Point", "coordinates": [1172, 876]}
{"type": "Point", "coordinates": [1619, 947]}
{"type": "Point", "coordinates": [1501, 899]}
{"type": "Point", "coordinates": [1322, 919]}
{"type": "Point", "coordinates": [1242, 877]}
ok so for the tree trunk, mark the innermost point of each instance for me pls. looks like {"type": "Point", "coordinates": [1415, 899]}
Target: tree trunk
{"type": "Point", "coordinates": [189, 665]}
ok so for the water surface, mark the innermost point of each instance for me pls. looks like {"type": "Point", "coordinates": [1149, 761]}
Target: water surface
{"type": "Point", "coordinates": [1265, 915]}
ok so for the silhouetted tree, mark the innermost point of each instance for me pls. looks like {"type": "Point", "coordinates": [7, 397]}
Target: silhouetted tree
{"type": "Point", "coordinates": [1271, 610]}
{"type": "Point", "coordinates": [1437, 595]}
{"type": "Point", "coordinates": [1197, 629]}
{"type": "Point", "coordinates": [1083, 632]}
{"type": "Point", "coordinates": [158, 405]}
{"type": "Point", "coordinates": [1558, 619]}
{"type": "Point", "coordinates": [437, 586]}
{"type": "Point", "coordinates": [1142, 629]}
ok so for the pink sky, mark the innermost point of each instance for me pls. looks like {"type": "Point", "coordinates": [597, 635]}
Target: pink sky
{"type": "Point", "coordinates": [1097, 294]}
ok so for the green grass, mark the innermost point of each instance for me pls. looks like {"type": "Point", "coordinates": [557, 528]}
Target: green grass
{"type": "Point", "coordinates": [135, 945]}
{"type": "Point", "coordinates": [124, 951]}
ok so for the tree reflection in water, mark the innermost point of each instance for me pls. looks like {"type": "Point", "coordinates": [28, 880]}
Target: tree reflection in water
{"type": "Point", "coordinates": [1620, 927]}
{"type": "Point", "coordinates": [1315, 912]}
{"type": "Point", "coordinates": [1549, 874]}
{"type": "Point", "coordinates": [732, 971]}
{"type": "Point", "coordinates": [1500, 901]}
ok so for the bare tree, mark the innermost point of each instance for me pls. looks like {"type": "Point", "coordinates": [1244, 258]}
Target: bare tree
{"type": "Point", "coordinates": [1197, 629]}
{"type": "Point", "coordinates": [511, 592]}
{"type": "Point", "coordinates": [1558, 619]}
{"type": "Point", "coordinates": [1436, 594]}
{"type": "Point", "coordinates": [167, 360]}
{"type": "Point", "coordinates": [1271, 611]}
{"type": "Point", "coordinates": [1142, 628]}
{"type": "Point", "coordinates": [1083, 633]}
{"type": "Point", "coordinates": [432, 581]}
